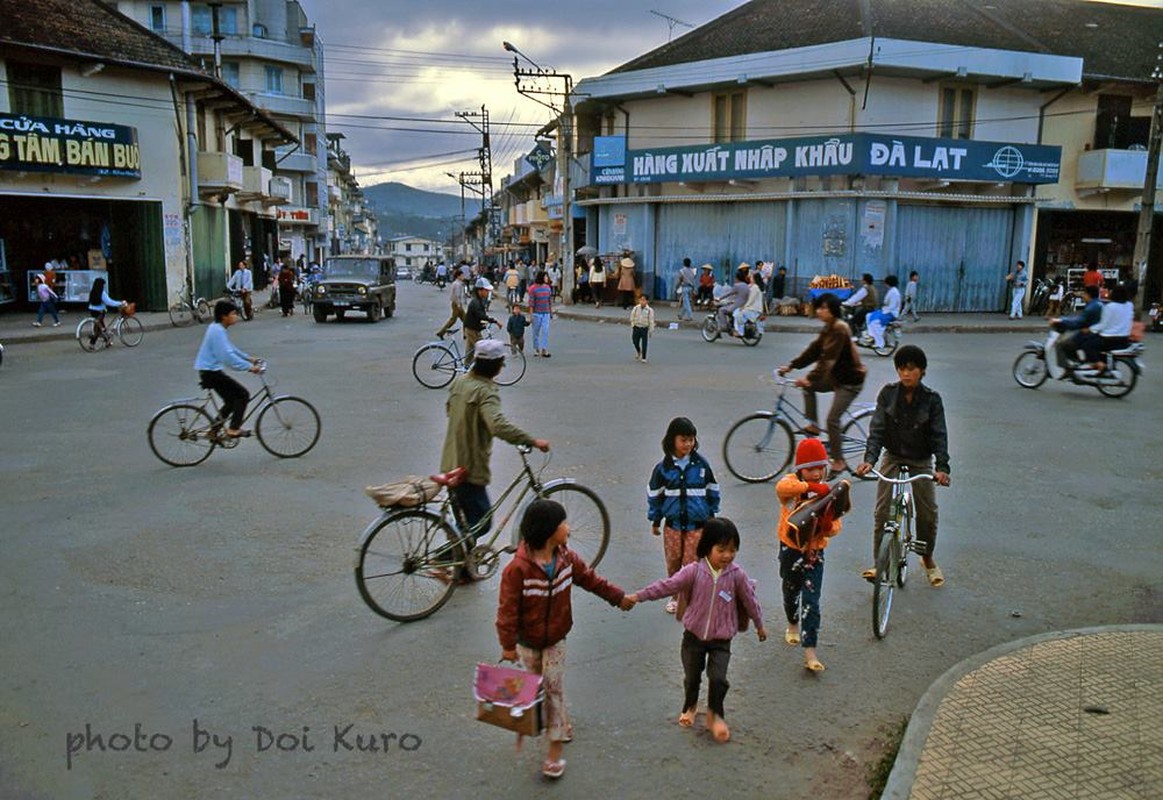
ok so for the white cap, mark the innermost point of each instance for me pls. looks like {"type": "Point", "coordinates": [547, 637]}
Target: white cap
{"type": "Point", "coordinates": [490, 349]}
{"type": "Point", "coordinates": [482, 283]}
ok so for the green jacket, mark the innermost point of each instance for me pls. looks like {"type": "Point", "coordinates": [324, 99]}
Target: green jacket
{"type": "Point", "coordinates": [474, 418]}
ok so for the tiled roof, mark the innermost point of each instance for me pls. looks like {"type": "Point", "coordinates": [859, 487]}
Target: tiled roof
{"type": "Point", "coordinates": [1114, 41]}
{"type": "Point", "coordinates": [87, 28]}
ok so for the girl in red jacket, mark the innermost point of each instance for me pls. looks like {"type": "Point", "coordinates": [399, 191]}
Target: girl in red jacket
{"type": "Point", "coordinates": [535, 612]}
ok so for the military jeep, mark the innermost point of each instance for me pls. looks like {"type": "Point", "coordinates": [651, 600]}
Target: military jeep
{"type": "Point", "coordinates": [355, 283]}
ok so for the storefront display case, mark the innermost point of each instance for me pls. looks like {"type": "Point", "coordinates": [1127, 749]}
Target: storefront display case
{"type": "Point", "coordinates": [72, 285]}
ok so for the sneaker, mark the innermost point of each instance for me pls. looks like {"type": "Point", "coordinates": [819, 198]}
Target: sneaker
{"type": "Point", "coordinates": [56, 324]}
{"type": "Point", "coordinates": [36, 324]}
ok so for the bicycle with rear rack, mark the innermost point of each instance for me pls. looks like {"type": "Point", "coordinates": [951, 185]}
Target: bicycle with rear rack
{"type": "Point", "coordinates": [760, 446]}
{"type": "Point", "coordinates": [95, 334]}
{"type": "Point", "coordinates": [896, 542]}
{"type": "Point", "coordinates": [437, 363]}
{"type": "Point", "coordinates": [186, 432]}
{"type": "Point", "coordinates": [409, 559]}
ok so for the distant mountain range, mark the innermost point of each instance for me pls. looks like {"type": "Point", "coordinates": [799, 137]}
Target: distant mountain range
{"type": "Point", "coordinates": [401, 210]}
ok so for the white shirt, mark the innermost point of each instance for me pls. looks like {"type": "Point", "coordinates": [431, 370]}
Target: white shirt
{"type": "Point", "coordinates": [892, 301]}
{"type": "Point", "coordinates": [1116, 320]}
{"type": "Point", "coordinates": [241, 281]}
{"type": "Point", "coordinates": [754, 300]}
{"type": "Point", "coordinates": [855, 298]}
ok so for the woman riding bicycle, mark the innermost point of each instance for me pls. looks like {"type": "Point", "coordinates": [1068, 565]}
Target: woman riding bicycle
{"type": "Point", "coordinates": [217, 351]}
{"type": "Point", "coordinates": [99, 300]}
{"type": "Point", "coordinates": [838, 370]}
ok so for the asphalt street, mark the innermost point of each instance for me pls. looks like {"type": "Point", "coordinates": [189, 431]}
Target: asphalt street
{"type": "Point", "coordinates": [209, 618]}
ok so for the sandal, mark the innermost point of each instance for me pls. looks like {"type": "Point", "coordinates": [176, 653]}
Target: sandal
{"type": "Point", "coordinates": [687, 718]}
{"type": "Point", "coordinates": [936, 579]}
{"type": "Point", "coordinates": [239, 434]}
{"type": "Point", "coordinates": [553, 769]}
{"type": "Point", "coordinates": [791, 637]}
{"type": "Point", "coordinates": [814, 665]}
{"type": "Point", "coordinates": [869, 574]}
{"type": "Point", "coordinates": [812, 430]}
{"type": "Point", "coordinates": [719, 728]}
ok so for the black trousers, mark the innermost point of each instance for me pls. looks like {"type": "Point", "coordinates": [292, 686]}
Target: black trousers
{"type": "Point", "coordinates": [641, 337]}
{"type": "Point", "coordinates": [713, 656]}
{"type": "Point", "coordinates": [234, 395]}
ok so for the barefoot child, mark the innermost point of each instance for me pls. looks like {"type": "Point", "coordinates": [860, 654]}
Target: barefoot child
{"type": "Point", "coordinates": [801, 558]}
{"type": "Point", "coordinates": [682, 491]}
{"type": "Point", "coordinates": [721, 599]}
{"type": "Point", "coordinates": [535, 612]}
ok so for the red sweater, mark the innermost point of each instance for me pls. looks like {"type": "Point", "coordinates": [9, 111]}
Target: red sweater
{"type": "Point", "coordinates": [537, 611]}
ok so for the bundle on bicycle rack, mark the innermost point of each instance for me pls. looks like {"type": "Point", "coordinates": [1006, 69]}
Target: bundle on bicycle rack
{"type": "Point", "coordinates": [412, 490]}
{"type": "Point", "coordinates": [509, 697]}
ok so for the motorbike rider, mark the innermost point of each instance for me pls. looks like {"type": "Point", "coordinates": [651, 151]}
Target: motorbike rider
{"type": "Point", "coordinates": [736, 299]}
{"type": "Point", "coordinates": [1112, 331]}
{"type": "Point", "coordinates": [863, 300]}
{"type": "Point", "coordinates": [1067, 344]}
{"type": "Point", "coordinates": [878, 321]}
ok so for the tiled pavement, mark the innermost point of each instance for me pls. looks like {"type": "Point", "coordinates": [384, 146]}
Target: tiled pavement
{"type": "Point", "coordinates": [1063, 715]}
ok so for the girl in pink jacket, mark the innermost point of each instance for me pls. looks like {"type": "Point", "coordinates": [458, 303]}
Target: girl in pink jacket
{"type": "Point", "coordinates": [719, 600]}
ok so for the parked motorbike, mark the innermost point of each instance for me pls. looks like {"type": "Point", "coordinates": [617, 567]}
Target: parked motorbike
{"type": "Point", "coordinates": [712, 329]}
{"type": "Point", "coordinates": [1040, 360]}
{"type": "Point", "coordinates": [862, 338]}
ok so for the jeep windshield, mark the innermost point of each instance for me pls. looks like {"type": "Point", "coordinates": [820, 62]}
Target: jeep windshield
{"type": "Point", "coordinates": [368, 268]}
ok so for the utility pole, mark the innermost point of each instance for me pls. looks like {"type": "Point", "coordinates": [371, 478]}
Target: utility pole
{"type": "Point", "coordinates": [473, 181]}
{"type": "Point", "coordinates": [480, 121]}
{"type": "Point", "coordinates": [531, 84]}
{"type": "Point", "coordinates": [1147, 208]}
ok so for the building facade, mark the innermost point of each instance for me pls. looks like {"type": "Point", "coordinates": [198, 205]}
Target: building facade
{"type": "Point", "coordinates": [269, 51]}
{"type": "Point", "coordinates": [902, 135]}
{"type": "Point", "coordinates": [414, 251]}
{"type": "Point", "coordinates": [91, 172]}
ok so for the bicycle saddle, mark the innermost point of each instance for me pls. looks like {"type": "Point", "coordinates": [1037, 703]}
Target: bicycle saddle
{"type": "Point", "coordinates": [454, 477]}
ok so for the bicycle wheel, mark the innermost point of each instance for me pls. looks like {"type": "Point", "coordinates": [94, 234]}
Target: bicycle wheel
{"type": "Point", "coordinates": [407, 564]}
{"type": "Point", "coordinates": [130, 331]}
{"type": "Point", "coordinates": [892, 339]}
{"type": "Point", "coordinates": [288, 427]}
{"type": "Point", "coordinates": [202, 310]}
{"type": "Point", "coordinates": [854, 438]}
{"type": "Point", "coordinates": [882, 588]}
{"type": "Point", "coordinates": [589, 522]}
{"type": "Point", "coordinates": [758, 447]}
{"type": "Point", "coordinates": [434, 365]}
{"type": "Point", "coordinates": [87, 336]}
{"type": "Point", "coordinates": [1030, 369]}
{"type": "Point", "coordinates": [514, 367]}
{"type": "Point", "coordinates": [180, 435]}
{"type": "Point", "coordinates": [181, 315]}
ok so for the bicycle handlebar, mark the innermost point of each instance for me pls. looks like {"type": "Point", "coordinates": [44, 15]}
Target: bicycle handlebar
{"type": "Point", "coordinates": [886, 479]}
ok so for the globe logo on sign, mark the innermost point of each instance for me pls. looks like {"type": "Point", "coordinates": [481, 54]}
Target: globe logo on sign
{"type": "Point", "coordinates": [1007, 161]}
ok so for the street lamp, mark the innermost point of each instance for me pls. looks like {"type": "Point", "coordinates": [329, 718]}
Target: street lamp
{"type": "Point", "coordinates": [565, 151]}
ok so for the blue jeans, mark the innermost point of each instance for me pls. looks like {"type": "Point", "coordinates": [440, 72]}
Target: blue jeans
{"type": "Point", "coordinates": [473, 500]}
{"type": "Point", "coordinates": [802, 584]}
{"type": "Point", "coordinates": [51, 307]}
{"type": "Point", "coordinates": [685, 294]}
{"type": "Point", "coordinates": [540, 332]}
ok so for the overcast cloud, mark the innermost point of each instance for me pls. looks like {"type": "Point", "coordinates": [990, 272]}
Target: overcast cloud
{"type": "Point", "coordinates": [418, 63]}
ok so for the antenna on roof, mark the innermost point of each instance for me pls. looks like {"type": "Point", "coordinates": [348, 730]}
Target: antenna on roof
{"type": "Point", "coordinates": [670, 22]}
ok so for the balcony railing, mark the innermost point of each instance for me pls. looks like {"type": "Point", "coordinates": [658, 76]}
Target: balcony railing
{"type": "Point", "coordinates": [284, 105]}
{"type": "Point", "coordinates": [280, 190]}
{"type": "Point", "coordinates": [254, 183]}
{"type": "Point", "coordinates": [219, 173]}
{"type": "Point", "coordinates": [296, 161]}
{"type": "Point", "coordinates": [1113, 170]}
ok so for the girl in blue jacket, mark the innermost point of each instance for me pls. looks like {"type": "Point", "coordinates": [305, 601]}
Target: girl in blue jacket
{"type": "Point", "coordinates": [683, 493]}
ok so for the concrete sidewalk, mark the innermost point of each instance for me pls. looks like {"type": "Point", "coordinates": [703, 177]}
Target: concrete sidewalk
{"type": "Point", "coordinates": [1072, 714]}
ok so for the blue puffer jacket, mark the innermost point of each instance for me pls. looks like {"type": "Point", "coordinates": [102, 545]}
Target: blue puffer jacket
{"type": "Point", "coordinates": [685, 498]}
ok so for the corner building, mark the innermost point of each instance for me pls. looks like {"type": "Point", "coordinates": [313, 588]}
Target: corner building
{"type": "Point", "coordinates": [883, 136]}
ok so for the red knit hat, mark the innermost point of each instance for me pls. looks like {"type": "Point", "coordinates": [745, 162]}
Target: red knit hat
{"type": "Point", "coordinates": [811, 453]}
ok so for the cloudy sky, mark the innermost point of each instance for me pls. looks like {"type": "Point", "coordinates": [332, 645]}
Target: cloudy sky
{"type": "Point", "coordinates": [397, 72]}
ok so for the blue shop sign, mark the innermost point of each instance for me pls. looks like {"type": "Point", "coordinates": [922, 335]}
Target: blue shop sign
{"type": "Point", "coordinates": [45, 144]}
{"type": "Point", "coordinates": [849, 154]}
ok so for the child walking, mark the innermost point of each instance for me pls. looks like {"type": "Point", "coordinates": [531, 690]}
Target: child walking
{"type": "Point", "coordinates": [682, 492]}
{"type": "Point", "coordinates": [721, 599]}
{"type": "Point", "coordinates": [801, 553]}
{"type": "Point", "coordinates": [641, 326]}
{"type": "Point", "coordinates": [516, 325]}
{"type": "Point", "coordinates": [534, 613]}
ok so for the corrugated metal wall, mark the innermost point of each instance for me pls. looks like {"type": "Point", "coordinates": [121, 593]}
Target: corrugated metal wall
{"type": "Point", "coordinates": [961, 253]}
{"type": "Point", "coordinates": [722, 234]}
{"type": "Point", "coordinates": [823, 242]}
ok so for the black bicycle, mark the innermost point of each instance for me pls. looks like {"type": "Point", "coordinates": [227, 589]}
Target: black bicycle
{"type": "Point", "coordinates": [185, 432]}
